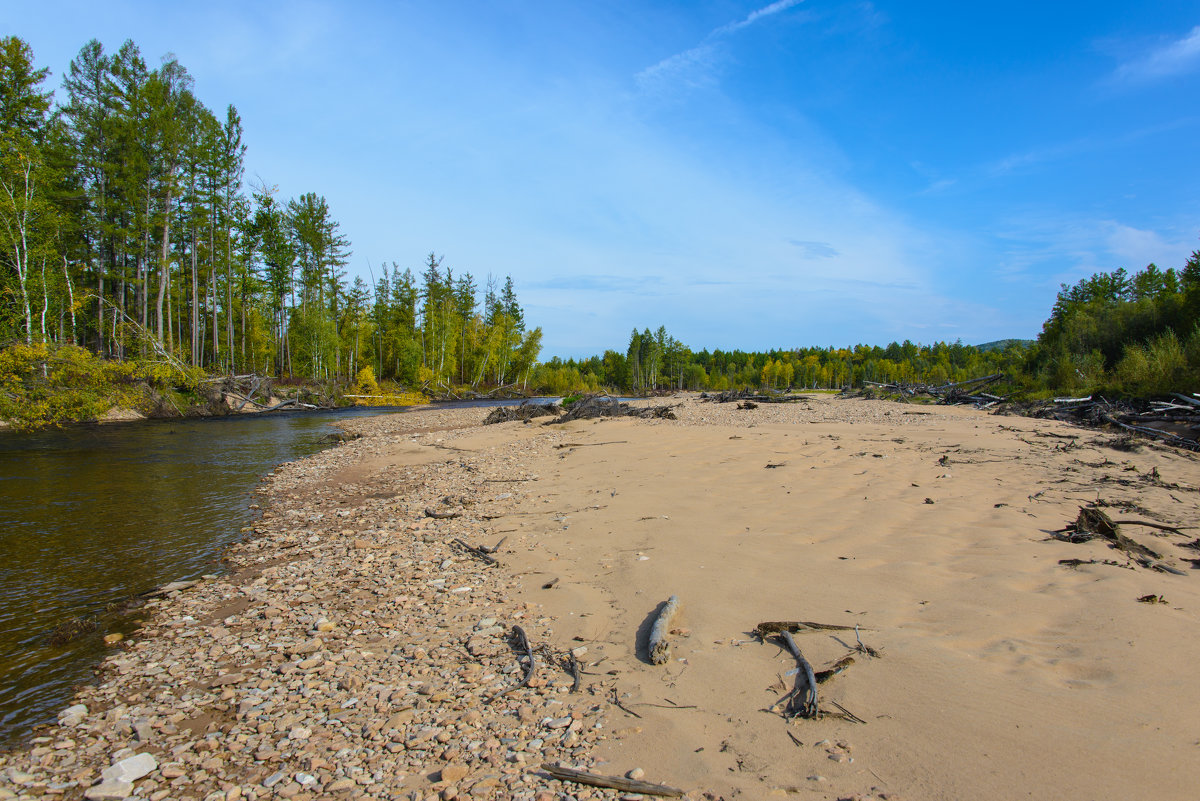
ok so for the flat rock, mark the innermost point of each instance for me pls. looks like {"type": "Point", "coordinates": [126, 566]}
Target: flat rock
{"type": "Point", "coordinates": [131, 768]}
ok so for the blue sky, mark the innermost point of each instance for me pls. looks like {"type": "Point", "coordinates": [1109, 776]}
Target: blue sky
{"type": "Point", "coordinates": [749, 174]}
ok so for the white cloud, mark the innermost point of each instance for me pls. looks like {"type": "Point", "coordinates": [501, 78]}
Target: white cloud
{"type": "Point", "coordinates": [1172, 58]}
{"type": "Point", "coordinates": [693, 68]}
{"type": "Point", "coordinates": [756, 15]}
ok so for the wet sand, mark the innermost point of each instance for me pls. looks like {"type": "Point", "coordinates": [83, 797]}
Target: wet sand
{"type": "Point", "coordinates": [1003, 672]}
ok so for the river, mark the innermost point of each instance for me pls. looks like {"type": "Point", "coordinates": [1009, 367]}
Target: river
{"type": "Point", "coordinates": [92, 515]}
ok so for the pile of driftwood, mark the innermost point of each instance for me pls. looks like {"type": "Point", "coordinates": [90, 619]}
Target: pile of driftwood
{"type": "Point", "coordinates": [954, 394]}
{"type": "Point", "coordinates": [1175, 422]}
{"type": "Point", "coordinates": [444, 392]}
{"type": "Point", "coordinates": [748, 398]}
{"type": "Point", "coordinates": [588, 407]}
{"type": "Point", "coordinates": [240, 392]}
{"type": "Point", "coordinates": [525, 412]}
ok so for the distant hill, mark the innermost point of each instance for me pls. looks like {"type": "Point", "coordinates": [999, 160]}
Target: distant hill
{"type": "Point", "coordinates": [1002, 344]}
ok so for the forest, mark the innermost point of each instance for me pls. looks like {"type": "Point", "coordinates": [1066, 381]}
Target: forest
{"type": "Point", "coordinates": [133, 252]}
{"type": "Point", "coordinates": [127, 229]}
{"type": "Point", "coordinates": [1123, 335]}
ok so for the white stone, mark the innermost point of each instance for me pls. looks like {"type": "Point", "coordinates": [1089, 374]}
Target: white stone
{"type": "Point", "coordinates": [131, 768]}
{"type": "Point", "coordinates": [109, 788]}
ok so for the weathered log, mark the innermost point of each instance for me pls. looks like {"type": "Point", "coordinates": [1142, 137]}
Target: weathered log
{"type": "Point", "coordinates": [803, 701]}
{"type": "Point", "coordinates": [660, 649]}
{"type": "Point", "coordinates": [794, 626]}
{"type": "Point", "coordinates": [611, 782]}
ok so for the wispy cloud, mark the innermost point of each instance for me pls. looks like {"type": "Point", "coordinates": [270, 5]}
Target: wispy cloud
{"type": "Point", "coordinates": [601, 283]}
{"type": "Point", "coordinates": [814, 250]}
{"type": "Point", "coordinates": [755, 16]}
{"type": "Point", "coordinates": [693, 67]}
{"type": "Point", "coordinates": [1172, 58]}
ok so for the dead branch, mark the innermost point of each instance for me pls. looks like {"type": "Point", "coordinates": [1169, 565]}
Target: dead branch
{"type": "Point", "coordinates": [479, 553]}
{"type": "Point", "coordinates": [611, 782]}
{"type": "Point", "coordinates": [523, 643]}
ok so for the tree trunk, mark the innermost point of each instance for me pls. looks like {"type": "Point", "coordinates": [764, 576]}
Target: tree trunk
{"type": "Point", "coordinates": [164, 268]}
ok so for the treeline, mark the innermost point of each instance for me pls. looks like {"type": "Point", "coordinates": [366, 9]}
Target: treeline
{"type": "Point", "coordinates": [1133, 335]}
{"type": "Point", "coordinates": [126, 228]}
{"type": "Point", "coordinates": [1123, 335]}
{"type": "Point", "coordinates": [657, 361]}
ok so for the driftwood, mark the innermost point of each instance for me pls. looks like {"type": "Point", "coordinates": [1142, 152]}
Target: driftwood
{"type": "Point", "coordinates": [802, 701]}
{"type": "Point", "coordinates": [1174, 422]}
{"type": "Point", "coordinates": [1092, 523]}
{"type": "Point", "coordinates": [863, 648]}
{"type": "Point", "coordinates": [837, 667]}
{"type": "Point", "coordinates": [746, 398]}
{"type": "Point", "coordinates": [660, 649]}
{"type": "Point", "coordinates": [794, 626]}
{"type": "Point", "coordinates": [953, 394]}
{"type": "Point", "coordinates": [522, 643]}
{"type": "Point", "coordinates": [611, 782]}
{"type": "Point", "coordinates": [590, 407]}
{"type": "Point", "coordinates": [436, 515]}
{"type": "Point", "coordinates": [525, 412]}
{"type": "Point", "coordinates": [482, 554]}
{"type": "Point", "coordinates": [576, 672]}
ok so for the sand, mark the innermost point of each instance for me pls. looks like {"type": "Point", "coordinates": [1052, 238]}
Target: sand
{"type": "Point", "coordinates": [1004, 674]}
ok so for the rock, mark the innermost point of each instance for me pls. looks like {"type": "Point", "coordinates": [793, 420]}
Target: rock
{"type": "Point", "coordinates": [142, 730]}
{"type": "Point", "coordinates": [635, 774]}
{"type": "Point", "coordinates": [454, 773]}
{"type": "Point", "coordinates": [73, 715]}
{"type": "Point", "coordinates": [341, 786]}
{"type": "Point", "coordinates": [173, 770]}
{"type": "Point", "coordinates": [109, 788]}
{"type": "Point", "coordinates": [274, 779]}
{"type": "Point", "coordinates": [131, 768]}
{"type": "Point", "coordinates": [114, 638]}
{"type": "Point", "coordinates": [559, 723]}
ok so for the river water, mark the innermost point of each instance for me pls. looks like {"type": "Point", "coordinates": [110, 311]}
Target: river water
{"type": "Point", "coordinates": [90, 516]}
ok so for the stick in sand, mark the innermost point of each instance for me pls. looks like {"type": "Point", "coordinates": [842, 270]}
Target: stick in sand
{"type": "Point", "coordinates": [660, 649]}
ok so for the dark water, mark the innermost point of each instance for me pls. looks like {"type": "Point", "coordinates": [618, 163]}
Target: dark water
{"type": "Point", "coordinates": [93, 515]}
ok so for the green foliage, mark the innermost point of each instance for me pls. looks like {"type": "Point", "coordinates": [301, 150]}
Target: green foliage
{"type": "Point", "coordinates": [1120, 334]}
{"type": "Point", "coordinates": [44, 385]}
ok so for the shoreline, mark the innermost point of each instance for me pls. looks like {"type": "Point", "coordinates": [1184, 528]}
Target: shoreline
{"type": "Point", "coordinates": [352, 648]}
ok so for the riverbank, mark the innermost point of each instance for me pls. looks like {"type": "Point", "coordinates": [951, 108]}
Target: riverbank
{"type": "Point", "coordinates": [353, 650]}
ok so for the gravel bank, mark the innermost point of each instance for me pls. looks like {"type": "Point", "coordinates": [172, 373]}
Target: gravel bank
{"type": "Point", "coordinates": [351, 651]}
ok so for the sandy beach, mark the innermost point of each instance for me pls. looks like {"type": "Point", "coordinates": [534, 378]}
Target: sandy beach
{"type": "Point", "coordinates": [355, 650]}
